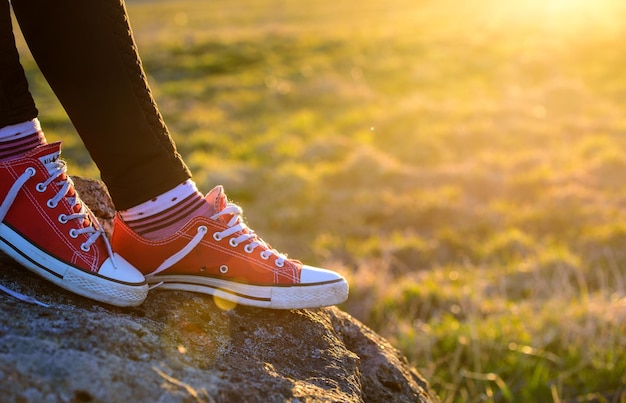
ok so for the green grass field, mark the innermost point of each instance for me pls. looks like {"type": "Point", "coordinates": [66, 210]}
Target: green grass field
{"type": "Point", "coordinates": [462, 163]}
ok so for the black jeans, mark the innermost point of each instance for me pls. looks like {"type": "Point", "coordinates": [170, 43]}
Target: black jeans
{"type": "Point", "coordinates": [86, 51]}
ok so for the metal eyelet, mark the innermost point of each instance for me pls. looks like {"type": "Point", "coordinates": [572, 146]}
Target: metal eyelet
{"type": "Point", "coordinates": [217, 236]}
{"type": "Point", "coordinates": [264, 256]}
{"type": "Point", "coordinates": [223, 269]}
{"type": "Point", "coordinates": [279, 264]}
{"type": "Point", "coordinates": [248, 249]}
{"type": "Point", "coordinates": [73, 233]}
{"type": "Point", "coordinates": [50, 203]}
{"type": "Point", "coordinates": [232, 242]}
{"type": "Point", "coordinates": [30, 171]}
{"type": "Point", "coordinates": [85, 248]}
{"type": "Point", "coordinates": [40, 188]}
{"type": "Point", "coordinates": [62, 218]}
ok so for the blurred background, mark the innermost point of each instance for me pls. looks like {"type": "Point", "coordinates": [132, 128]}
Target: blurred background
{"type": "Point", "coordinates": [461, 162]}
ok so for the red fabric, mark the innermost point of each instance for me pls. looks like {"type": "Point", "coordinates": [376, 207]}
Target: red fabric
{"type": "Point", "coordinates": [206, 258]}
{"type": "Point", "coordinates": [30, 216]}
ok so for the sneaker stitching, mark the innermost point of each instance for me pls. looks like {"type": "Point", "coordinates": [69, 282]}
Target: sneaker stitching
{"type": "Point", "coordinates": [47, 232]}
{"type": "Point", "coordinates": [77, 258]}
{"type": "Point", "coordinates": [207, 242]}
{"type": "Point", "coordinates": [244, 256]}
{"type": "Point", "coordinates": [230, 250]}
{"type": "Point", "coordinates": [88, 259]}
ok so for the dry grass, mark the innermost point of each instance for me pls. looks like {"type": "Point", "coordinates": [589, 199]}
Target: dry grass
{"type": "Point", "coordinates": [462, 163]}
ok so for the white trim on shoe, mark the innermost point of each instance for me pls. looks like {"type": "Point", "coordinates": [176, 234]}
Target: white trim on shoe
{"type": "Point", "coordinates": [325, 291]}
{"type": "Point", "coordinates": [130, 291]}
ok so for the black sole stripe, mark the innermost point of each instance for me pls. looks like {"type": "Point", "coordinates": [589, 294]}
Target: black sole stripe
{"type": "Point", "coordinates": [339, 280]}
{"type": "Point", "coordinates": [216, 289]}
{"type": "Point", "coordinates": [7, 242]}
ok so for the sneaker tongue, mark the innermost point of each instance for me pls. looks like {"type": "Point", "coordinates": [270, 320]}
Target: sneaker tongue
{"type": "Point", "coordinates": [48, 154]}
{"type": "Point", "coordinates": [217, 199]}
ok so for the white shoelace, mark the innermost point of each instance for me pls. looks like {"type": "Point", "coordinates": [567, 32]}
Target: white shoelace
{"type": "Point", "coordinates": [56, 169]}
{"type": "Point", "coordinates": [235, 225]}
{"type": "Point", "coordinates": [247, 235]}
{"type": "Point", "coordinates": [22, 297]}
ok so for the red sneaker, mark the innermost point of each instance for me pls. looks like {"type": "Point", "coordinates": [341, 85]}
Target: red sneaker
{"type": "Point", "coordinates": [45, 227]}
{"type": "Point", "coordinates": [220, 255]}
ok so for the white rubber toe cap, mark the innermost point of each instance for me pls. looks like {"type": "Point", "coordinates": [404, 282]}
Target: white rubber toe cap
{"type": "Point", "coordinates": [316, 275]}
{"type": "Point", "coordinates": [122, 272]}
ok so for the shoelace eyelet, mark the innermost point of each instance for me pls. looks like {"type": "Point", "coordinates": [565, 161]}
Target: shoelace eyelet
{"type": "Point", "coordinates": [248, 249]}
{"type": "Point", "coordinates": [85, 248]}
{"type": "Point", "coordinates": [73, 233]}
{"type": "Point", "coordinates": [40, 188]}
{"type": "Point", "coordinates": [232, 242]}
{"type": "Point", "coordinates": [62, 218]}
{"type": "Point", "coordinates": [279, 263]}
{"type": "Point", "coordinates": [217, 236]}
{"type": "Point", "coordinates": [223, 269]}
{"type": "Point", "coordinates": [264, 255]}
{"type": "Point", "coordinates": [50, 203]}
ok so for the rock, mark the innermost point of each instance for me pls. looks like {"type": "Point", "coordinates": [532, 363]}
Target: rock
{"type": "Point", "coordinates": [95, 195]}
{"type": "Point", "coordinates": [186, 347]}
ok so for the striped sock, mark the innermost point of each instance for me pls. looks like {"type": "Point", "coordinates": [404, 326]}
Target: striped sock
{"type": "Point", "coordinates": [167, 213]}
{"type": "Point", "coordinates": [17, 140]}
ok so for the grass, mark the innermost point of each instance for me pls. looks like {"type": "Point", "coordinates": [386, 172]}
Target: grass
{"type": "Point", "coordinates": [461, 163]}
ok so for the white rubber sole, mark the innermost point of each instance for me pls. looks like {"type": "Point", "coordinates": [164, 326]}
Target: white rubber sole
{"type": "Point", "coordinates": [90, 285]}
{"type": "Point", "coordinates": [297, 296]}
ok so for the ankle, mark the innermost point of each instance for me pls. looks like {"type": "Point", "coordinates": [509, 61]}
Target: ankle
{"type": "Point", "coordinates": [167, 213]}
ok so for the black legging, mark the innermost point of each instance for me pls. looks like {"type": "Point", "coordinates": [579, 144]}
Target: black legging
{"type": "Point", "coordinates": [85, 50]}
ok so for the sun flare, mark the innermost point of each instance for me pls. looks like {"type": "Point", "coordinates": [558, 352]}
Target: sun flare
{"type": "Point", "coordinates": [567, 15]}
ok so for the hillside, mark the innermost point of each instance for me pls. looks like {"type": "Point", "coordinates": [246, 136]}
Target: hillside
{"type": "Point", "coordinates": [463, 165]}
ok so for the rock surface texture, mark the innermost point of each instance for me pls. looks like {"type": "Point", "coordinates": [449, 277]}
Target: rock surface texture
{"type": "Point", "coordinates": [185, 347]}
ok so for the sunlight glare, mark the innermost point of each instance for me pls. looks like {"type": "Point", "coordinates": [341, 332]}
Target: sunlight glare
{"type": "Point", "coordinates": [224, 304]}
{"type": "Point", "coordinates": [577, 9]}
{"type": "Point", "coordinates": [562, 15]}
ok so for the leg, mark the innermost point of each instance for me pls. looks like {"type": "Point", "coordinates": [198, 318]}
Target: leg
{"type": "Point", "coordinates": [180, 238]}
{"type": "Point", "coordinates": [43, 224]}
{"type": "Point", "coordinates": [19, 129]}
{"type": "Point", "coordinates": [16, 103]}
{"type": "Point", "coordinates": [86, 52]}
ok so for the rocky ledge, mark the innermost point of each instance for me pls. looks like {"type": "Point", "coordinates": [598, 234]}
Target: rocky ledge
{"type": "Point", "coordinates": [185, 347]}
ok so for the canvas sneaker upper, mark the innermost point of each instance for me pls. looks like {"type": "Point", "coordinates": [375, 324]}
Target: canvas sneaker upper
{"type": "Point", "coordinates": [218, 254]}
{"type": "Point", "coordinates": [45, 226]}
